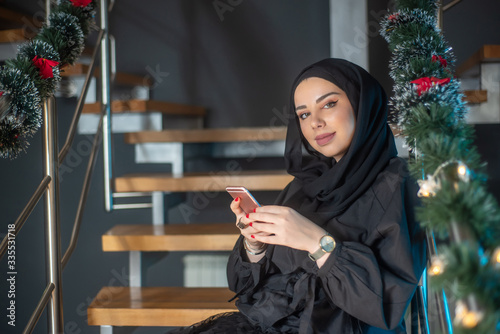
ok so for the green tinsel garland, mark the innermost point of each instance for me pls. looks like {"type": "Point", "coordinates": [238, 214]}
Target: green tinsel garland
{"type": "Point", "coordinates": [431, 114]}
{"type": "Point", "coordinates": [65, 34]}
{"type": "Point", "coordinates": [24, 115]}
{"type": "Point", "coordinates": [22, 84]}
{"type": "Point", "coordinates": [23, 62]}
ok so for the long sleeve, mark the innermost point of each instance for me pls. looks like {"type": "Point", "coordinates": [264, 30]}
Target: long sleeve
{"type": "Point", "coordinates": [374, 281]}
{"type": "Point", "coordinates": [243, 275]}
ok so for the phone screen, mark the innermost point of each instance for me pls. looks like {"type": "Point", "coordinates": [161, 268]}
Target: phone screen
{"type": "Point", "coordinates": [248, 202]}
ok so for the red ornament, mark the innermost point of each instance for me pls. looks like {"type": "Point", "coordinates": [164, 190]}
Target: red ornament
{"type": "Point", "coordinates": [81, 3]}
{"type": "Point", "coordinates": [443, 61]}
{"type": "Point", "coordinates": [393, 17]}
{"type": "Point", "coordinates": [1, 93]}
{"type": "Point", "coordinates": [45, 66]}
{"type": "Point", "coordinates": [423, 84]}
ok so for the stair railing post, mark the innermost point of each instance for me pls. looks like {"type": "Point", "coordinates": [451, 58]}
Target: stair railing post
{"type": "Point", "coordinates": [106, 108]}
{"type": "Point", "coordinates": [52, 221]}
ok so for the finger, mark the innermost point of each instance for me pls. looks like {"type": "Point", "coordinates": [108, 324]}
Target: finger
{"type": "Point", "coordinates": [235, 207]}
{"type": "Point", "coordinates": [264, 238]}
{"type": "Point", "coordinates": [255, 234]}
{"type": "Point", "coordinates": [268, 228]}
{"type": "Point", "coordinates": [276, 209]}
{"type": "Point", "coordinates": [265, 217]}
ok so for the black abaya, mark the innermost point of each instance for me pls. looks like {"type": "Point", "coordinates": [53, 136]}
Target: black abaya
{"type": "Point", "coordinates": [366, 202]}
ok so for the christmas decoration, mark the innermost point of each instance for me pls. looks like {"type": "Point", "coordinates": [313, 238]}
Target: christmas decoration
{"type": "Point", "coordinates": [437, 265]}
{"type": "Point", "coordinates": [32, 76]}
{"type": "Point", "coordinates": [429, 110]}
{"type": "Point", "coordinates": [4, 104]}
{"type": "Point", "coordinates": [46, 66]}
{"type": "Point", "coordinates": [81, 3]}
{"type": "Point", "coordinates": [423, 84]}
{"type": "Point", "coordinates": [467, 313]}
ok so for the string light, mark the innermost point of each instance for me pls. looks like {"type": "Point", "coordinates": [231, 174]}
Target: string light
{"type": "Point", "coordinates": [462, 170]}
{"type": "Point", "coordinates": [496, 257]}
{"type": "Point", "coordinates": [428, 187]}
{"type": "Point", "coordinates": [467, 316]}
{"type": "Point", "coordinates": [451, 170]}
{"type": "Point", "coordinates": [437, 266]}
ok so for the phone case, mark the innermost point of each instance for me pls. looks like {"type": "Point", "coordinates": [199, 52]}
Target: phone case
{"type": "Point", "coordinates": [248, 202]}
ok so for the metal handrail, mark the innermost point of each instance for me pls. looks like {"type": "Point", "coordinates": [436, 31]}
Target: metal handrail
{"type": "Point", "coordinates": [28, 209]}
{"type": "Point", "coordinates": [39, 309]}
{"type": "Point", "coordinates": [84, 194]}
{"type": "Point", "coordinates": [52, 160]}
{"type": "Point", "coordinates": [81, 102]}
{"type": "Point", "coordinates": [106, 103]}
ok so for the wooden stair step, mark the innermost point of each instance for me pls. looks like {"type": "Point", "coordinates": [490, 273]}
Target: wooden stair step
{"type": "Point", "coordinates": [487, 53]}
{"type": "Point", "coordinates": [476, 96]}
{"type": "Point", "coordinates": [121, 78]}
{"type": "Point", "coordinates": [252, 180]}
{"type": "Point", "coordinates": [143, 106]}
{"type": "Point", "coordinates": [207, 135]}
{"type": "Point", "coordinates": [157, 306]}
{"type": "Point", "coordinates": [15, 35]}
{"type": "Point", "coordinates": [171, 237]}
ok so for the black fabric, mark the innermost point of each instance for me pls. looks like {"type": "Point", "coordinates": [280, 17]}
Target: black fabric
{"type": "Point", "coordinates": [372, 145]}
{"type": "Point", "coordinates": [364, 286]}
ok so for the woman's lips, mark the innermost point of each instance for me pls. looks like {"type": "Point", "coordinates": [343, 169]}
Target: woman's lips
{"type": "Point", "coordinates": [324, 138]}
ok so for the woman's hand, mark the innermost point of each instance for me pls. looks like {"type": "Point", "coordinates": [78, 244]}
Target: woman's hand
{"type": "Point", "coordinates": [247, 231]}
{"type": "Point", "coordinates": [280, 225]}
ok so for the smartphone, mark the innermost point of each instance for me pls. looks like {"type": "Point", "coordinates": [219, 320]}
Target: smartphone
{"type": "Point", "coordinates": [248, 202]}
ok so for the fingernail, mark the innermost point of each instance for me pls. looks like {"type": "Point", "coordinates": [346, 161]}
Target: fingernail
{"type": "Point", "coordinates": [255, 210]}
{"type": "Point", "coordinates": [236, 199]}
{"type": "Point", "coordinates": [250, 224]}
{"type": "Point", "coordinates": [252, 236]}
{"type": "Point", "coordinates": [248, 215]}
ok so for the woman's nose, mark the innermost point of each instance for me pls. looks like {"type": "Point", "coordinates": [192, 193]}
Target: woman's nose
{"type": "Point", "coordinates": [317, 122]}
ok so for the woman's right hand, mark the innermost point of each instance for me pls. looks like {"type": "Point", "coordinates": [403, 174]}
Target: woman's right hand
{"type": "Point", "coordinates": [248, 230]}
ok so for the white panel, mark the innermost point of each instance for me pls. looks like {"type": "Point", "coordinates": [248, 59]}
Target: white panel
{"type": "Point", "coordinates": [8, 50]}
{"type": "Point", "coordinates": [349, 31]}
{"type": "Point", "coordinates": [135, 265]}
{"type": "Point", "coordinates": [158, 210]}
{"type": "Point", "coordinates": [205, 270]}
{"type": "Point", "coordinates": [161, 153]}
{"type": "Point", "coordinates": [249, 149]}
{"type": "Point", "coordinates": [402, 148]}
{"type": "Point", "coordinates": [488, 112]}
{"type": "Point", "coordinates": [122, 123]}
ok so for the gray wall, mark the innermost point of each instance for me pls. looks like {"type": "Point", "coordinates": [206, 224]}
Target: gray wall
{"type": "Point", "coordinates": [240, 67]}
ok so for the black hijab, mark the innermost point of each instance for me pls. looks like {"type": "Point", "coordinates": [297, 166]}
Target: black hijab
{"type": "Point", "coordinates": [329, 186]}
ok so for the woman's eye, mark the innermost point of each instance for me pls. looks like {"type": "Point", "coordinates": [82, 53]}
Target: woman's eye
{"type": "Point", "coordinates": [304, 115]}
{"type": "Point", "coordinates": [330, 104]}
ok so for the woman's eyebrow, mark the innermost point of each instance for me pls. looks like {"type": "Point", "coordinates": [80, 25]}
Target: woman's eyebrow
{"type": "Point", "coordinates": [321, 98]}
{"type": "Point", "coordinates": [318, 100]}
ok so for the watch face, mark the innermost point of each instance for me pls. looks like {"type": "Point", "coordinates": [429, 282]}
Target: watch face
{"type": "Point", "coordinates": [327, 243]}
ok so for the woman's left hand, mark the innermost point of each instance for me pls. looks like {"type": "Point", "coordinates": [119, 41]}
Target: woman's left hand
{"type": "Point", "coordinates": [286, 227]}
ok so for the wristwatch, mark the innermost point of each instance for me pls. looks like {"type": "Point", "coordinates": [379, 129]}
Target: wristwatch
{"type": "Point", "coordinates": [326, 245]}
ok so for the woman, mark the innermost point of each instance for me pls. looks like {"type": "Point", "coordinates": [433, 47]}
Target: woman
{"type": "Point", "coordinates": [351, 194]}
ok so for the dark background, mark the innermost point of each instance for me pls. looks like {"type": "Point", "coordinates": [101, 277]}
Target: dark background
{"type": "Point", "coordinates": [240, 67]}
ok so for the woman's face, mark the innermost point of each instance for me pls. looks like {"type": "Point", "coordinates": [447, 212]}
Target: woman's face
{"type": "Point", "coordinates": [325, 115]}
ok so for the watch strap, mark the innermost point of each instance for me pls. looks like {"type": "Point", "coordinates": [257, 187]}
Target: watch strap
{"type": "Point", "coordinates": [320, 252]}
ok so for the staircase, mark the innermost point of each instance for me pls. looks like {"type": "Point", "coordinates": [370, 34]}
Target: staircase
{"type": "Point", "coordinates": [177, 306]}
{"type": "Point", "coordinates": [480, 77]}
{"type": "Point", "coordinates": [208, 244]}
